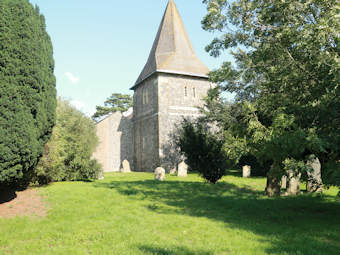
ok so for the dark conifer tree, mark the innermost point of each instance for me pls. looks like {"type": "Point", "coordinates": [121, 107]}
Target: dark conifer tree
{"type": "Point", "coordinates": [27, 90]}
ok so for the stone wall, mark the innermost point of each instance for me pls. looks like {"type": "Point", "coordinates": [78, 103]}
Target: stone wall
{"type": "Point", "coordinates": [179, 98]}
{"type": "Point", "coordinates": [160, 104]}
{"type": "Point", "coordinates": [115, 141]}
{"type": "Point", "coordinates": [145, 119]}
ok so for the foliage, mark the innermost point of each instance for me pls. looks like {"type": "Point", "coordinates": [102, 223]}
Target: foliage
{"type": "Point", "coordinates": [68, 154]}
{"type": "Point", "coordinates": [116, 102]}
{"type": "Point", "coordinates": [121, 214]}
{"type": "Point", "coordinates": [286, 78]}
{"type": "Point", "coordinates": [203, 150]}
{"type": "Point", "coordinates": [331, 173]}
{"type": "Point", "coordinates": [27, 90]}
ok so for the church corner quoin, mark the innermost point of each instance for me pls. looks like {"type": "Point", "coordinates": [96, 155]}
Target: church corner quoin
{"type": "Point", "coordinates": [170, 87]}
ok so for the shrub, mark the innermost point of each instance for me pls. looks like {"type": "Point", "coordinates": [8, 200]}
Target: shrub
{"type": "Point", "coordinates": [27, 90]}
{"type": "Point", "coordinates": [203, 150]}
{"type": "Point", "coordinates": [68, 154]}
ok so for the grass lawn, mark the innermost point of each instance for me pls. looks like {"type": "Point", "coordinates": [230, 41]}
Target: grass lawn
{"type": "Point", "coordinates": [133, 214]}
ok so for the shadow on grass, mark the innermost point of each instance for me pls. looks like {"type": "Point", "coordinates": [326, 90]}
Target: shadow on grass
{"type": "Point", "coordinates": [171, 251]}
{"type": "Point", "coordinates": [7, 195]}
{"type": "Point", "coordinates": [305, 225]}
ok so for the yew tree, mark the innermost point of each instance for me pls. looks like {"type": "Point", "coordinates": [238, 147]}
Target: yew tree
{"type": "Point", "coordinates": [27, 90]}
{"type": "Point", "coordinates": [286, 77]}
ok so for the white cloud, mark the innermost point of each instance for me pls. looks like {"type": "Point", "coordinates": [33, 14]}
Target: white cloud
{"type": "Point", "coordinates": [78, 104]}
{"type": "Point", "coordinates": [72, 77]}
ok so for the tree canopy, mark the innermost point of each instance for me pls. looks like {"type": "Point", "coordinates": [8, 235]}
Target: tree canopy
{"type": "Point", "coordinates": [27, 90]}
{"type": "Point", "coordinates": [67, 155]}
{"type": "Point", "coordinates": [116, 102]}
{"type": "Point", "coordinates": [286, 77]}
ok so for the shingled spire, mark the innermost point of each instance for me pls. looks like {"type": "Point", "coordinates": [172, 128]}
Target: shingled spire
{"type": "Point", "coordinates": [172, 51]}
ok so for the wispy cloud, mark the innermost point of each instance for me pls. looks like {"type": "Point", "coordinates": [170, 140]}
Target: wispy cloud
{"type": "Point", "coordinates": [81, 106]}
{"type": "Point", "coordinates": [74, 79]}
{"type": "Point", "coordinates": [78, 104]}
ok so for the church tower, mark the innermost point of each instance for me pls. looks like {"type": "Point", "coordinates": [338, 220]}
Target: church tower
{"type": "Point", "coordinates": [171, 86]}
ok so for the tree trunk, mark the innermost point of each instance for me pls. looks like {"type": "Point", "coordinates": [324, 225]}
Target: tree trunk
{"type": "Point", "coordinates": [314, 181]}
{"type": "Point", "coordinates": [293, 185]}
{"type": "Point", "coordinates": [273, 186]}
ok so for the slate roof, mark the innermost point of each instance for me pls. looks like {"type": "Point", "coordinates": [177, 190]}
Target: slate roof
{"type": "Point", "coordinates": [172, 51]}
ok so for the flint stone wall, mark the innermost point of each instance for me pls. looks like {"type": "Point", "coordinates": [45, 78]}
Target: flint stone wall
{"type": "Point", "coordinates": [180, 97]}
{"type": "Point", "coordinates": [160, 104]}
{"type": "Point", "coordinates": [115, 142]}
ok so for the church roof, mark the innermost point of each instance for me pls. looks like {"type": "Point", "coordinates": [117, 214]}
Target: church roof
{"type": "Point", "coordinates": [172, 51]}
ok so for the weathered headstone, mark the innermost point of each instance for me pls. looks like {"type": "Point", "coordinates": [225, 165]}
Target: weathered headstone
{"type": "Point", "coordinates": [293, 184]}
{"type": "Point", "coordinates": [159, 174]}
{"type": "Point", "coordinates": [125, 167]}
{"type": "Point", "coordinates": [246, 171]}
{"type": "Point", "coordinates": [182, 169]}
{"type": "Point", "coordinates": [284, 182]}
{"type": "Point", "coordinates": [314, 181]}
{"type": "Point", "coordinates": [100, 176]}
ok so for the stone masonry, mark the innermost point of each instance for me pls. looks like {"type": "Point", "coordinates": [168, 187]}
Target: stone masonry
{"type": "Point", "coordinates": [115, 141]}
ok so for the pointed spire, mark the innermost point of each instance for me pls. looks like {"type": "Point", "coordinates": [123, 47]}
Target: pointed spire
{"type": "Point", "coordinates": [172, 51]}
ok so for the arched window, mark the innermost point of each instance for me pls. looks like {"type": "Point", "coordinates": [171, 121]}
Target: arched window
{"type": "Point", "coordinates": [185, 91]}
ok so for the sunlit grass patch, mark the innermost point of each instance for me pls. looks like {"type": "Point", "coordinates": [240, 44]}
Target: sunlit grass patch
{"type": "Point", "coordinates": [134, 214]}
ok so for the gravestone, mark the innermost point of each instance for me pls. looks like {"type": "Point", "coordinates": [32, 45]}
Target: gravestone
{"type": "Point", "coordinates": [284, 182]}
{"type": "Point", "coordinates": [125, 167]}
{"type": "Point", "coordinates": [100, 176]}
{"type": "Point", "coordinates": [293, 183]}
{"type": "Point", "coordinates": [314, 181]}
{"type": "Point", "coordinates": [159, 174]}
{"type": "Point", "coordinates": [246, 171]}
{"type": "Point", "coordinates": [182, 169]}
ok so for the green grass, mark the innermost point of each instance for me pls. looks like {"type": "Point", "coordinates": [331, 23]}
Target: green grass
{"type": "Point", "coordinates": [133, 214]}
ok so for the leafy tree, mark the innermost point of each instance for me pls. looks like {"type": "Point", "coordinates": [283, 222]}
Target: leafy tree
{"type": "Point", "coordinates": [202, 150]}
{"type": "Point", "coordinates": [68, 154]}
{"type": "Point", "coordinates": [27, 90]}
{"type": "Point", "coordinates": [286, 78]}
{"type": "Point", "coordinates": [116, 102]}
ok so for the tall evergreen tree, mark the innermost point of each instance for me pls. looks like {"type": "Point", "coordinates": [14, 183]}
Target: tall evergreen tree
{"type": "Point", "coordinates": [27, 90]}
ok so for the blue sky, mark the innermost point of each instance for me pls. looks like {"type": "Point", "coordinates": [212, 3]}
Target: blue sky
{"type": "Point", "coordinates": [100, 47]}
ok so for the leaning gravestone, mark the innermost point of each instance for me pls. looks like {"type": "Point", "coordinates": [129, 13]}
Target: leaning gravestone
{"type": "Point", "coordinates": [159, 174]}
{"type": "Point", "coordinates": [314, 181]}
{"type": "Point", "coordinates": [125, 167]}
{"type": "Point", "coordinates": [246, 171]}
{"type": "Point", "coordinates": [182, 169]}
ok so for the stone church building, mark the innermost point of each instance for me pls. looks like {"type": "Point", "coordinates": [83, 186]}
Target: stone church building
{"type": "Point", "coordinates": [170, 87]}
